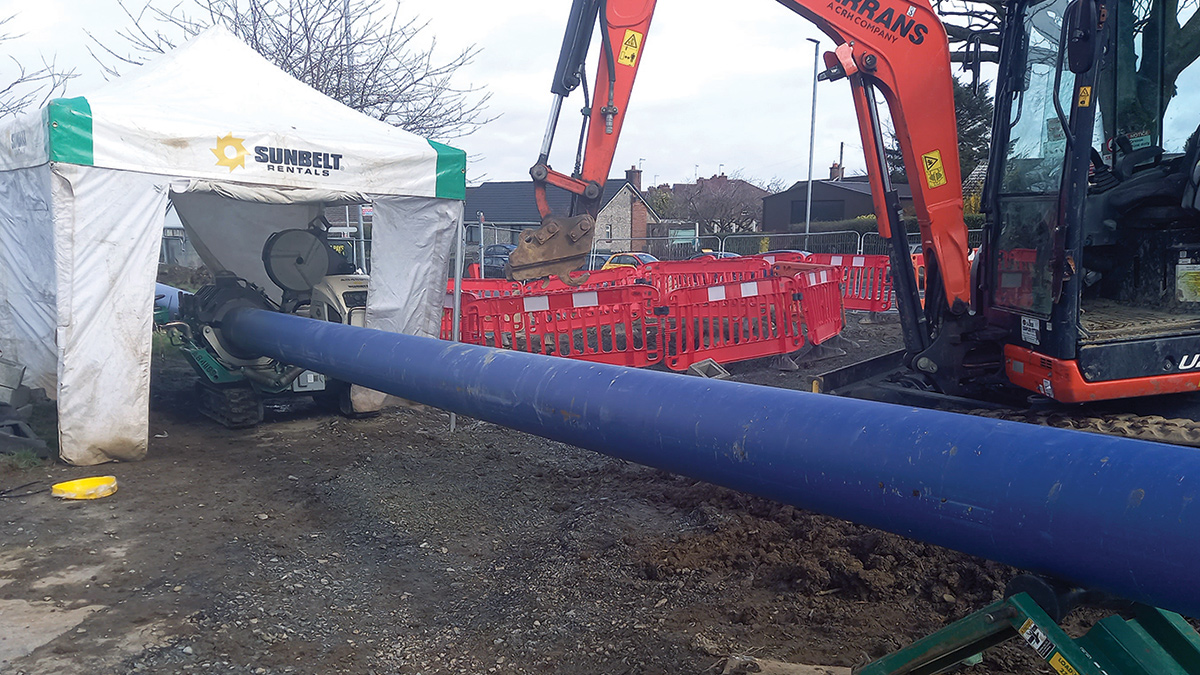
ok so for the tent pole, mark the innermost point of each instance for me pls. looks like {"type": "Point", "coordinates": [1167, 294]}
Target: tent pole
{"type": "Point", "coordinates": [456, 318]}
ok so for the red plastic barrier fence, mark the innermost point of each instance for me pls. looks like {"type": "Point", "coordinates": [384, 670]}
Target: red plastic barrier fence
{"type": "Point", "coordinates": [472, 288]}
{"type": "Point", "coordinates": [447, 329]}
{"type": "Point", "coordinates": [781, 256]}
{"type": "Point", "coordinates": [731, 322]}
{"type": "Point", "coordinates": [617, 276]}
{"type": "Point", "coordinates": [866, 284]}
{"type": "Point", "coordinates": [818, 298]}
{"type": "Point", "coordinates": [606, 325]}
{"type": "Point", "coordinates": [670, 276]}
{"type": "Point", "coordinates": [485, 288]}
{"type": "Point", "coordinates": [726, 309]}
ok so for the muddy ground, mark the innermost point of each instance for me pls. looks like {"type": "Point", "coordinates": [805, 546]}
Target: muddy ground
{"type": "Point", "coordinates": [317, 544]}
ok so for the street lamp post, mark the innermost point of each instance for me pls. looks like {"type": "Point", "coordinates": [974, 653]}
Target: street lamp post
{"type": "Point", "coordinates": [812, 137]}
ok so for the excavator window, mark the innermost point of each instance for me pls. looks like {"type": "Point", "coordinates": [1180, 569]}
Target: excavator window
{"type": "Point", "coordinates": [1037, 146]}
{"type": "Point", "coordinates": [1150, 82]}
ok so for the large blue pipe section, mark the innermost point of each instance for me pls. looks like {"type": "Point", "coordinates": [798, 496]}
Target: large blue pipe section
{"type": "Point", "coordinates": [1104, 512]}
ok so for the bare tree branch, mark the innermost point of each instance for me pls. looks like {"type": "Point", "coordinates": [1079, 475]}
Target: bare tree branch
{"type": "Point", "coordinates": [964, 19]}
{"type": "Point", "coordinates": [30, 86]}
{"type": "Point", "coordinates": [370, 60]}
{"type": "Point", "coordinates": [721, 204]}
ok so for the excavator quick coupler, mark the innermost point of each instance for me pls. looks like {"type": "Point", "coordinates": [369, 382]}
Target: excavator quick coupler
{"type": "Point", "coordinates": [557, 248]}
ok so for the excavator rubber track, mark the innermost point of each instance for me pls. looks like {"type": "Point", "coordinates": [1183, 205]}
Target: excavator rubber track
{"type": "Point", "coordinates": [231, 407]}
{"type": "Point", "coordinates": [1143, 427]}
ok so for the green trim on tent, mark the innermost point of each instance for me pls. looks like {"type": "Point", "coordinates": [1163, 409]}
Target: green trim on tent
{"type": "Point", "coordinates": [69, 131]}
{"type": "Point", "coordinates": [451, 171]}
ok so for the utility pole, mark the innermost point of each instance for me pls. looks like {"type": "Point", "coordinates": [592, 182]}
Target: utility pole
{"type": "Point", "coordinates": [812, 138]}
{"type": "Point", "coordinates": [482, 273]}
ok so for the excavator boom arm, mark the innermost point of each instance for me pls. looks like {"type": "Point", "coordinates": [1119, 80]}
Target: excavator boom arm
{"type": "Point", "coordinates": [895, 47]}
{"type": "Point", "coordinates": [562, 243]}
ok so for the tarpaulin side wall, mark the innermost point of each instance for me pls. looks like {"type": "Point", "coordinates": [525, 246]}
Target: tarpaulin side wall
{"type": "Point", "coordinates": [413, 238]}
{"type": "Point", "coordinates": [414, 234]}
{"type": "Point", "coordinates": [27, 282]}
{"type": "Point", "coordinates": [107, 231]}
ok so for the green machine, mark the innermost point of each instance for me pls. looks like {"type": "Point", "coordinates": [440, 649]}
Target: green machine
{"type": "Point", "coordinates": [1134, 640]}
{"type": "Point", "coordinates": [317, 282]}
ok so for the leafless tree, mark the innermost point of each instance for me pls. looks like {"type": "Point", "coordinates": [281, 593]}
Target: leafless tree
{"type": "Point", "coordinates": [374, 61]}
{"type": "Point", "coordinates": [721, 204]}
{"type": "Point", "coordinates": [28, 85]}
{"type": "Point", "coordinates": [965, 19]}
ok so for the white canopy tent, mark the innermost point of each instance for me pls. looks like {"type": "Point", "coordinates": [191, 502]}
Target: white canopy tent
{"type": "Point", "coordinates": [242, 150]}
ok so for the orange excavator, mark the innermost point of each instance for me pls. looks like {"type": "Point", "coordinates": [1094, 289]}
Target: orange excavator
{"type": "Point", "coordinates": [1087, 284]}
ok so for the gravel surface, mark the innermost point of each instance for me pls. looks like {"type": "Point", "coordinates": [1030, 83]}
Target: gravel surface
{"type": "Point", "coordinates": [317, 544]}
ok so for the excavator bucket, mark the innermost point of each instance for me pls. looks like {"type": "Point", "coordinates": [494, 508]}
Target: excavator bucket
{"type": "Point", "coordinates": [557, 248]}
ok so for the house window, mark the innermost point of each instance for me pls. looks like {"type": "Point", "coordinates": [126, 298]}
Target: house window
{"type": "Point", "coordinates": [822, 210]}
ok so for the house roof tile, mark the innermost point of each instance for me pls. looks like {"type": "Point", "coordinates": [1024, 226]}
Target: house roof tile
{"type": "Point", "coordinates": [512, 201]}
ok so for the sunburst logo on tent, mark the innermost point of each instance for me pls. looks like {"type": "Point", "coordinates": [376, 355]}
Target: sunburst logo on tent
{"type": "Point", "coordinates": [230, 152]}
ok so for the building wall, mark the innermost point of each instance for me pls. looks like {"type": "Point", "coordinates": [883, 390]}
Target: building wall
{"type": "Point", "coordinates": [615, 223]}
{"type": "Point", "coordinates": [784, 210]}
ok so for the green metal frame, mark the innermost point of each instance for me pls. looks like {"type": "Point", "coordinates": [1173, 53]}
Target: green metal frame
{"type": "Point", "coordinates": [1151, 642]}
{"type": "Point", "coordinates": [207, 367]}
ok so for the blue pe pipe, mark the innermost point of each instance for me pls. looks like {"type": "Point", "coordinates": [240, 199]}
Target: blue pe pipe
{"type": "Point", "coordinates": [1103, 512]}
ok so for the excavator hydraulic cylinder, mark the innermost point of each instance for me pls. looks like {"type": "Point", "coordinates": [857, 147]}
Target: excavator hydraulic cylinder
{"type": "Point", "coordinates": [1107, 513]}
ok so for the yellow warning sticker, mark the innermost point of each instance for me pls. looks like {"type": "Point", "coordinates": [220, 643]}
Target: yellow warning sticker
{"type": "Point", "coordinates": [935, 173]}
{"type": "Point", "coordinates": [630, 47]}
{"type": "Point", "coordinates": [1085, 97]}
{"type": "Point", "coordinates": [1060, 664]}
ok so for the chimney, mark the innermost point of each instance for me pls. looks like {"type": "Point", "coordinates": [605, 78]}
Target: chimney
{"type": "Point", "coordinates": [836, 171]}
{"type": "Point", "coordinates": [634, 176]}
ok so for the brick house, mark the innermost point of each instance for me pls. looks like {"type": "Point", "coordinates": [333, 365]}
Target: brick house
{"type": "Point", "coordinates": [507, 207]}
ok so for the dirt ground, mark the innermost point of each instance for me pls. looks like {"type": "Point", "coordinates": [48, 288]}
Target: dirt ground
{"type": "Point", "coordinates": [318, 544]}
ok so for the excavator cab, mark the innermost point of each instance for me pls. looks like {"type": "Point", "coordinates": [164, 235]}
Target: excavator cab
{"type": "Point", "coordinates": [1094, 232]}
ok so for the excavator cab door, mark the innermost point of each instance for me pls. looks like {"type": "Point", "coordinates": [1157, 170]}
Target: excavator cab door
{"type": "Point", "coordinates": [1027, 204]}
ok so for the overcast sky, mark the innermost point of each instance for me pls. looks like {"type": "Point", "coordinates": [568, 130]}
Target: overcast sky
{"type": "Point", "coordinates": [723, 86]}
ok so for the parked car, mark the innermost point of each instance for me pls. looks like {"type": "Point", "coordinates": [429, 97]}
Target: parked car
{"type": "Point", "coordinates": [782, 251]}
{"type": "Point", "coordinates": [595, 261]}
{"type": "Point", "coordinates": [495, 257]}
{"type": "Point", "coordinates": [706, 253]}
{"type": "Point", "coordinates": [628, 259]}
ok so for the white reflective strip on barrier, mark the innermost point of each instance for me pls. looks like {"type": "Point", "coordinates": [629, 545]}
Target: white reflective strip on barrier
{"type": "Point", "coordinates": [859, 261]}
{"type": "Point", "coordinates": [749, 289]}
{"type": "Point", "coordinates": [824, 276]}
{"type": "Point", "coordinates": [769, 258]}
{"type": "Point", "coordinates": [812, 278]}
{"type": "Point", "coordinates": [585, 299]}
{"type": "Point", "coordinates": [536, 303]}
{"type": "Point", "coordinates": [835, 260]}
{"type": "Point", "coordinates": [716, 293]}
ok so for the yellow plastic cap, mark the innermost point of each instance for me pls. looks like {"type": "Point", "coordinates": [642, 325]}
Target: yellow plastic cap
{"type": "Point", "coordinates": [86, 488]}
